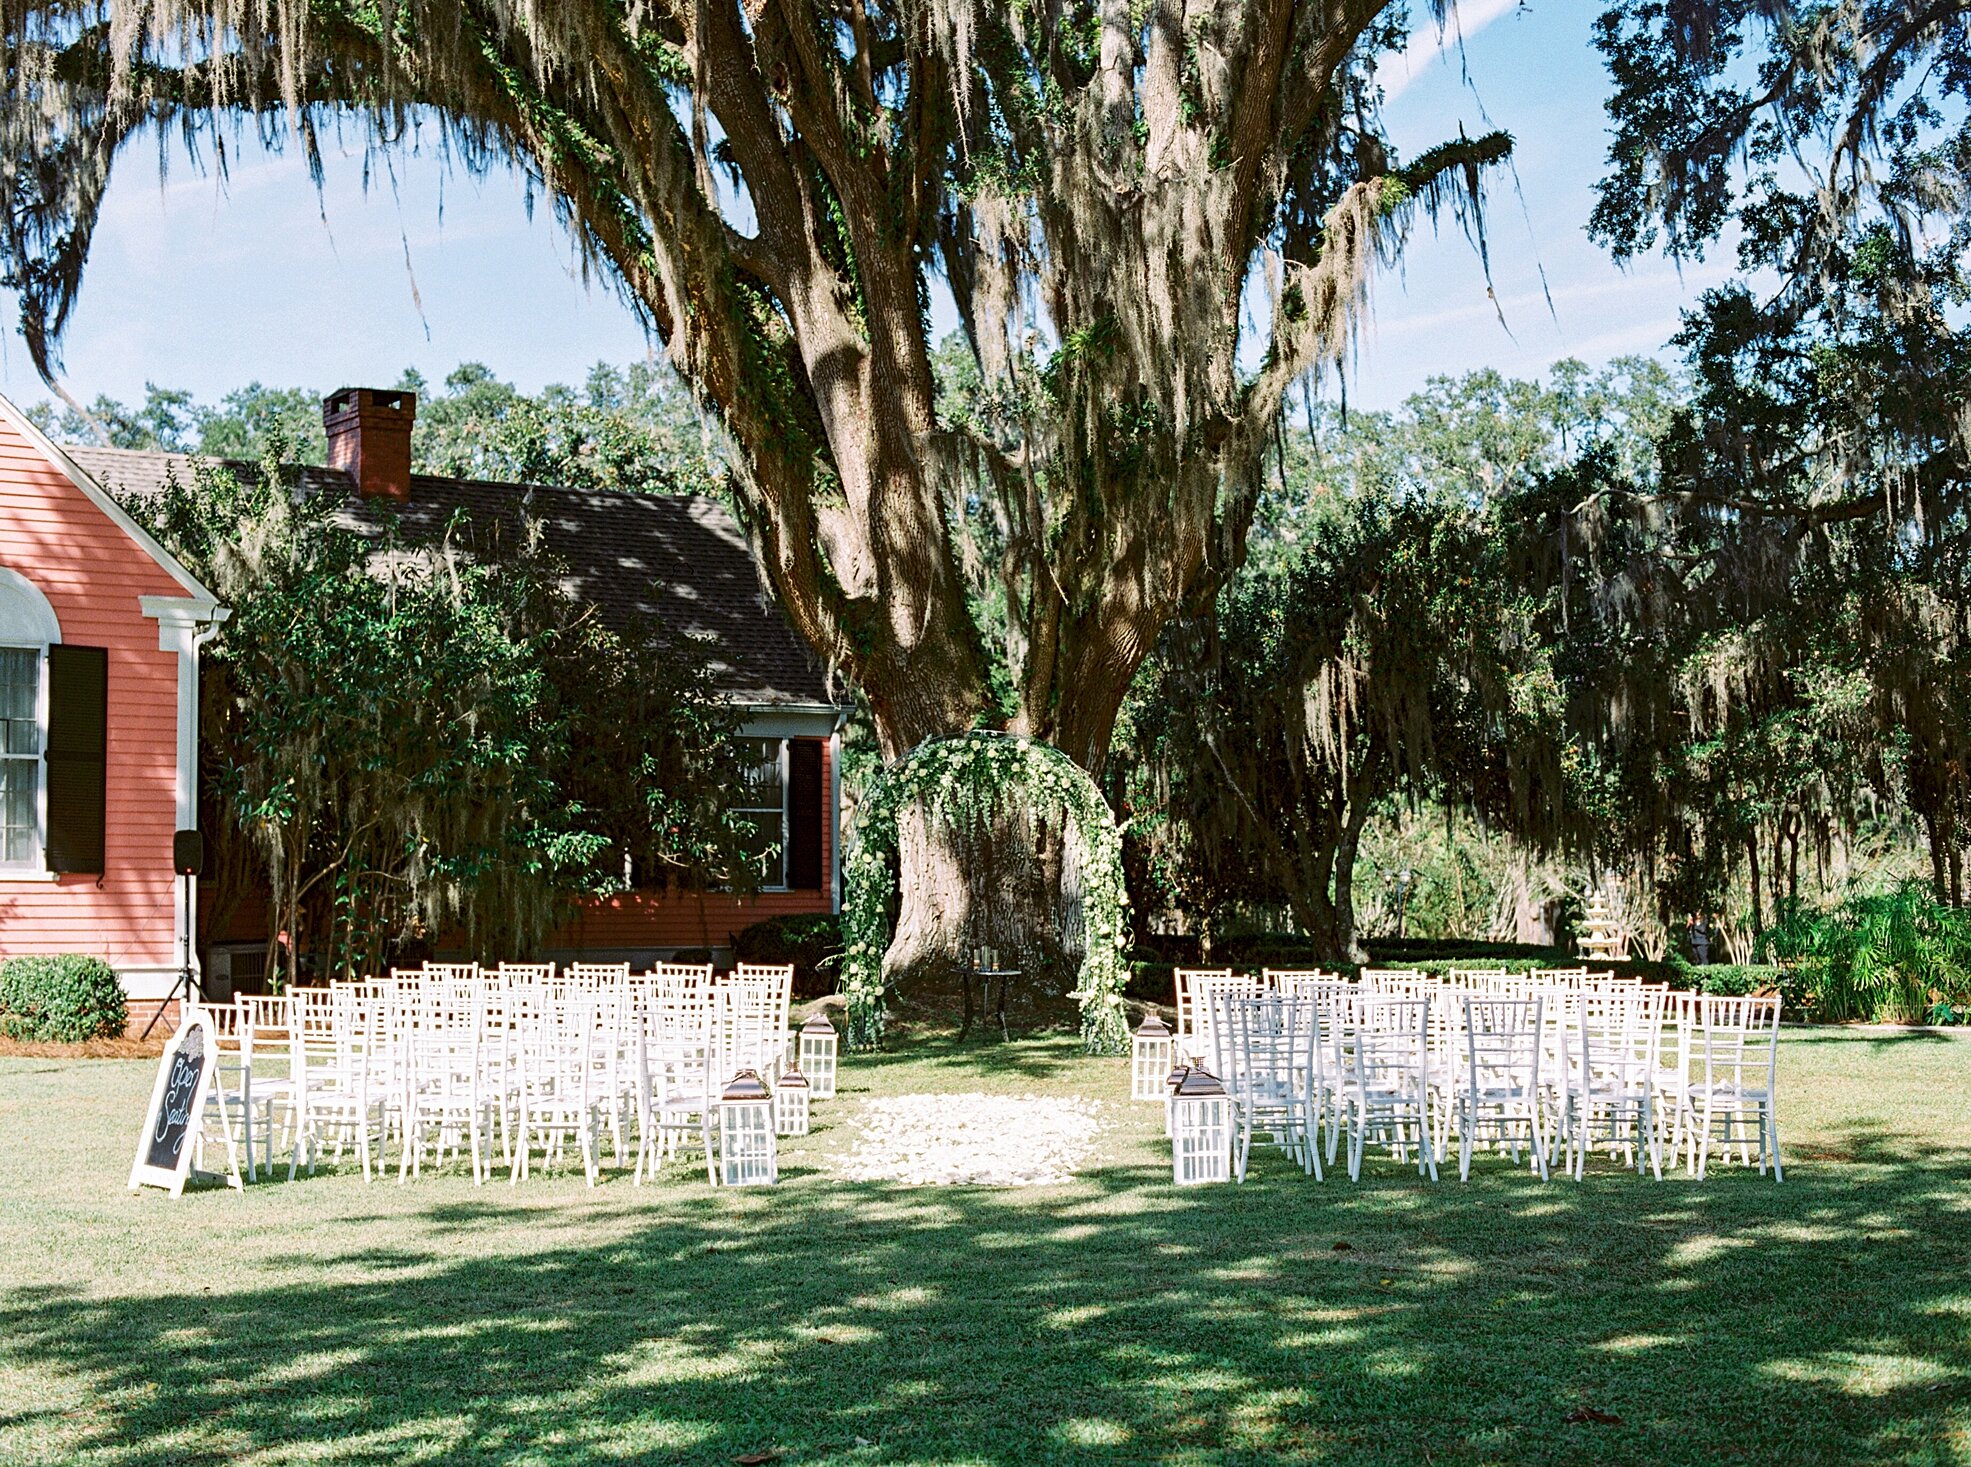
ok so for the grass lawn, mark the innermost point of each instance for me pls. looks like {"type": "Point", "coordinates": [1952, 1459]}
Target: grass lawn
{"type": "Point", "coordinates": [1112, 1320]}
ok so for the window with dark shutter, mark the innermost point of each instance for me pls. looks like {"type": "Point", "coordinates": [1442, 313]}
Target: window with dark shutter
{"type": "Point", "coordinates": [78, 746]}
{"type": "Point", "coordinates": [804, 814]}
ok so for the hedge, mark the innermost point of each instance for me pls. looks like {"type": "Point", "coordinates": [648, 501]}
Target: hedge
{"type": "Point", "coordinates": [1155, 981]}
{"type": "Point", "coordinates": [1466, 952]}
{"type": "Point", "coordinates": [1673, 973]}
{"type": "Point", "coordinates": [811, 942]}
{"type": "Point", "coordinates": [62, 999]}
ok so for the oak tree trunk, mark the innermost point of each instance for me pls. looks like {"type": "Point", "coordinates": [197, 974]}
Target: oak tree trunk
{"type": "Point", "coordinates": [1005, 885]}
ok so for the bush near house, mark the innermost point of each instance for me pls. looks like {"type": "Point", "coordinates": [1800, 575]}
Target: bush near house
{"type": "Point", "coordinates": [812, 942]}
{"type": "Point", "coordinates": [63, 999]}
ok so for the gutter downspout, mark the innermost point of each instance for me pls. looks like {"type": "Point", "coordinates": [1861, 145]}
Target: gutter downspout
{"type": "Point", "coordinates": [203, 632]}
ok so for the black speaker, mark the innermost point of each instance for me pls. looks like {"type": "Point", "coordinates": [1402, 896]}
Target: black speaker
{"type": "Point", "coordinates": [188, 852]}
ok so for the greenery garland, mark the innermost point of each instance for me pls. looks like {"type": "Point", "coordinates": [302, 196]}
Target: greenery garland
{"type": "Point", "coordinates": [968, 776]}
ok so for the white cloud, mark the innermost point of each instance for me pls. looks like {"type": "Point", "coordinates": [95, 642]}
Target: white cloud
{"type": "Point", "coordinates": [1591, 301]}
{"type": "Point", "coordinates": [1461, 23]}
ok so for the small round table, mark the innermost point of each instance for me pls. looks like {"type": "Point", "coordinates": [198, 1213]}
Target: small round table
{"type": "Point", "coordinates": [975, 974]}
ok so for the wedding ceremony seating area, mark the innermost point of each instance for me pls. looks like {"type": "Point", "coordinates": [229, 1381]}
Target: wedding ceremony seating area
{"type": "Point", "coordinates": [336, 1320]}
{"type": "Point", "coordinates": [514, 1068]}
{"type": "Point", "coordinates": [1550, 1068]}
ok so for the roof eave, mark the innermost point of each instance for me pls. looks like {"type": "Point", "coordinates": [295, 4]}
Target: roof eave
{"type": "Point", "coordinates": [105, 501]}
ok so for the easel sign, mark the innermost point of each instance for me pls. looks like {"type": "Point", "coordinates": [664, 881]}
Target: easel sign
{"type": "Point", "coordinates": [177, 1111]}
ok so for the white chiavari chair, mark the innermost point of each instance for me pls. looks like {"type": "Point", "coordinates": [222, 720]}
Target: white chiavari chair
{"type": "Point", "coordinates": [1388, 1095]}
{"type": "Point", "coordinates": [557, 1097]}
{"type": "Point", "coordinates": [1671, 1078]}
{"type": "Point", "coordinates": [1203, 987]}
{"type": "Point", "coordinates": [276, 1102]}
{"type": "Point", "coordinates": [1296, 980]}
{"type": "Point", "coordinates": [1610, 1061]}
{"type": "Point", "coordinates": [776, 980]}
{"type": "Point", "coordinates": [346, 1091]}
{"type": "Point", "coordinates": [596, 975]}
{"type": "Point", "coordinates": [1188, 980]}
{"type": "Point", "coordinates": [446, 1099]}
{"type": "Point", "coordinates": [1263, 1051]}
{"type": "Point", "coordinates": [1734, 1081]}
{"type": "Point", "coordinates": [229, 1096]}
{"type": "Point", "coordinates": [1496, 1092]}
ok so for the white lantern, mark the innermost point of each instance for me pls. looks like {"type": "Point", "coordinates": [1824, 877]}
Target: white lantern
{"type": "Point", "coordinates": [1200, 1130]}
{"type": "Point", "coordinates": [1149, 1060]}
{"type": "Point", "coordinates": [817, 1055]}
{"type": "Point", "coordinates": [790, 1104]}
{"type": "Point", "coordinates": [747, 1155]}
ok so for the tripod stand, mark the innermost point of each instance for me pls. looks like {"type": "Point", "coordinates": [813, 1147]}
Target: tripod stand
{"type": "Point", "coordinates": [187, 859]}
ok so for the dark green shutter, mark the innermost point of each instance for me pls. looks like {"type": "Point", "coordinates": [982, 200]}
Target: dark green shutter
{"type": "Point", "coordinates": [804, 816]}
{"type": "Point", "coordinates": [78, 748]}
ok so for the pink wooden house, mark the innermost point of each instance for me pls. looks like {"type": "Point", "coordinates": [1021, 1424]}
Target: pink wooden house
{"type": "Point", "coordinates": [99, 636]}
{"type": "Point", "coordinates": [91, 608]}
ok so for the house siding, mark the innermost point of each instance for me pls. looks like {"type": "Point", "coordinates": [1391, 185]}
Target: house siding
{"type": "Point", "coordinates": [92, 574]}
{"type": "Point", "coordinates": [636, 927]}
{"type": "Point", "coordinates": [638, 924]}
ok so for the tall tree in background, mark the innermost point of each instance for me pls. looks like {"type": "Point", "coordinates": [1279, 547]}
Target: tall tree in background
{"type": "Point", "coordinates": [1376, 646]}
{"type": "Point", "coordinates": [1816, 495]}
{"type": "Point", "coordinates": [630, 428]}
{"type": "Point", "coordinates": [1387, 655]}
{"type": "Point", "coordinates": [1106, 191]}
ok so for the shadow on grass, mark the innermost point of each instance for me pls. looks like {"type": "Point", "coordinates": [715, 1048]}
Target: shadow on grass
{"type": "Point", "coordinates": [1118, 1321]}
{"type": "Point", "coordinates": [1046, 1056]}
{"type": "Point", "coordinates": [1878, 1040]}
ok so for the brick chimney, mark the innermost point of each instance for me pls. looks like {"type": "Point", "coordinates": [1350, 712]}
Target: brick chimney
{"type": "Point", "coordinates": [369, 434]}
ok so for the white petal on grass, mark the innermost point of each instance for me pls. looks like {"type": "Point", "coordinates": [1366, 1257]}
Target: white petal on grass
{"type": "Point", "coordinates": [972, 1139]}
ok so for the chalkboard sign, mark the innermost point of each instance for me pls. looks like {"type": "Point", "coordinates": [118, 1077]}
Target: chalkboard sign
{"type": "Point", "coordinates": [177, 1109]}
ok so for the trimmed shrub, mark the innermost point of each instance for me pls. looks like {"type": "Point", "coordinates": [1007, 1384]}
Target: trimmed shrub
{"type": "Point", "coordinates": [1668, 971]}
{"type": "Point", "coordinates": [1461, 952]}
{"type": "Point", "coordinates": [1737, 980]}
{"type": "Point", "coordinates": [1152, 980]}
{"type": "Point", "coordinates": [63, 999]}
{"type": "Point", "coordinates": [812, 942]}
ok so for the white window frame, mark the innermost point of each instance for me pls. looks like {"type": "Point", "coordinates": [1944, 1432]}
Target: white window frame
{"type": "Point", "coordinates": [36, 863]}
{"type": "Point", "coordinates": [757, 811]}
{"type": "Point", "coordinates": [28, 624]}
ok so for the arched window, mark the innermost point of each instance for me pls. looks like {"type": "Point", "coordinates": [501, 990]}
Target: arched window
{"type": "Point", "coordinates": [28, 627]}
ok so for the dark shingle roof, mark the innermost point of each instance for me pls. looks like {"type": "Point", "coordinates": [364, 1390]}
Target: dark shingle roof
{"type": "Point", "coordinates": [680, 559]}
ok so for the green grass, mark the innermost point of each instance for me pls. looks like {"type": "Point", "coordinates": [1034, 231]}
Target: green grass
{"type": "Point", "coordinates": [1112, 1321]}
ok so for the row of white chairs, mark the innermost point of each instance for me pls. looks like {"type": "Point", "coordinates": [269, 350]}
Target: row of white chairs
{"type": "Point", "coordinates": [505, 1066]}
{"type": "Point", "coordinates": [1556, 1070]}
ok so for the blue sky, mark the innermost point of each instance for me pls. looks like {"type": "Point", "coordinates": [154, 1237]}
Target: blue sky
{"type": "Point", "coordinates": [206, 287]}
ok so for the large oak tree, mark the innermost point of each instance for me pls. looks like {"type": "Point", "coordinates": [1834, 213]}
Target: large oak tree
{"type": "Point", "coordinates": [1152, 217]}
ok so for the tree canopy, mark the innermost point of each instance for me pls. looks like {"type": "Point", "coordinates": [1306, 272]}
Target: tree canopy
{"type": "Point", "coordinates": [505, 753]}
{"type": "Point", "coordinates": [1106, 193]}
{"type": "Point", "coordinates": [1811, 520]}
{"type": "Point", "coordinates": [623, 428]}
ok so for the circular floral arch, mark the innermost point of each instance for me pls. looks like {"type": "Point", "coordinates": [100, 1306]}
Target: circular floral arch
{"type": "Point", "coordinates": [972, 775]}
